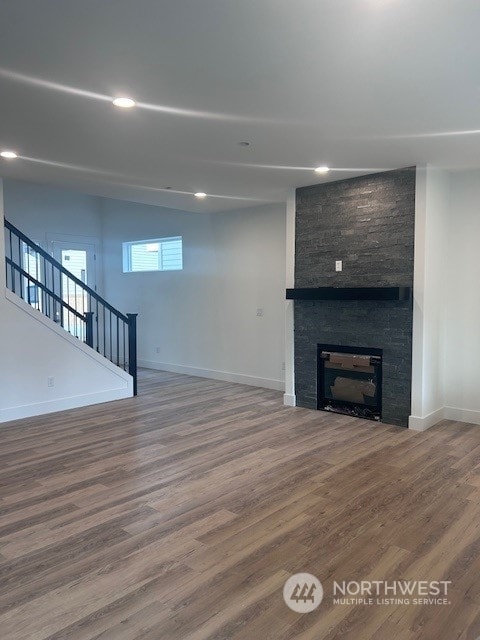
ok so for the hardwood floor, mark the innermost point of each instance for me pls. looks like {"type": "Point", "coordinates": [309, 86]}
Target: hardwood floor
{"type": "Point", "coordinates": [179, 515]}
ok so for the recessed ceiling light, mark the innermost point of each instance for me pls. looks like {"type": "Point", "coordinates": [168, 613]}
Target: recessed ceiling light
{"type": "Point", "coordinates": [8, 154]}
{"type": "Point", "coordinates": [322, 169]}
{"type": "Point", "coordinates": [124, 103]}
{"type": "Point", "coordinates": [200, 195]}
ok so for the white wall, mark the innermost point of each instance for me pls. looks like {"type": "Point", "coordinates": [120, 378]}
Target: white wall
{"type": "Point", "coordinates": [462, 299]}
{"type": "Point", "coordinates": [446, 351]}
{"type": "Point", "coordinates": [431, 230]}
{"type": "Point", "coordinates": [32, 348]}
{"type": "Point", "coordinates": [250, 253]}
{"type": "Point", "coordinates": [203, 320]}
{"type": "Point", "coordinates": [45, 213]}
{"type": "Point", "coordinates": [38, 209]}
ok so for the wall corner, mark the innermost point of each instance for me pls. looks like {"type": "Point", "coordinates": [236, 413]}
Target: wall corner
{"type": "Point", "coordinates": [289, 310]}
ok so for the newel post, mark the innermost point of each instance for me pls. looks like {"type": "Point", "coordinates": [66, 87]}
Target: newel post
{"type": "Point", "coordinates": [132, 348]}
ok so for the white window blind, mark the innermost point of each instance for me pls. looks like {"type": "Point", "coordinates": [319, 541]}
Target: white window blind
{"type": "Point", "coordinates": [161, 254]}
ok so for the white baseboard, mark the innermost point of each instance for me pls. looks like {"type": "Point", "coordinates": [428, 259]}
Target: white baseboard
{"type": "Point", "coordinates": [462, 415]}
{"type": "Point", "coordinates": [289, 400]}
{"type": "Point", "coordinates": [226, 376]}
{"type": "Point", "coordinates": [62, 404]}
{"type": "Point", "coordinates": [469, 416]}
{"type": "Point", "coordinates": [417, 423]}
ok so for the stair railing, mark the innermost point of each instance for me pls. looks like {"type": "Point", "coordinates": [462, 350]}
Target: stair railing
{"type": "Point", "coordinates": [45, 284]}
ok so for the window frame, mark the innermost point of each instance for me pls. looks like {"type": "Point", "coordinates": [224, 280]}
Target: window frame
{"type": "Point", "coordinates": [127, 254]}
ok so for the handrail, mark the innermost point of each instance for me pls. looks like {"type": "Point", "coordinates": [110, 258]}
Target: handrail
{"type": "Point", "coordinates": [43, 282]}
{"type": "Point", "coordinates": [38, 249]}
{"type": "Point", "coordinates": [37, 283]}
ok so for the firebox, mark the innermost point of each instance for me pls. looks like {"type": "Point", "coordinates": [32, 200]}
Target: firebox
{"type": "Point", "coordinates": [349, 380]}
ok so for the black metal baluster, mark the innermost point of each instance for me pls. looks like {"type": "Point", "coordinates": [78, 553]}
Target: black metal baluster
{"type": "Point", "coordinates": [104, 330]}
{"type": "Point", "coordinates": [111, 360]}
{"type": "Point", "coordinates": [97, 319]}
{"type": "Point", "coordinates": [36, 267]}
{"type": "Point", "coordinates": [44, 308]}
{"type": "Point", "coordinates": [124, 347]}
{"type": "Point", "coordinates": [12, 270]}
{"type": "Point", "coordinates": [54, 303]}
{"type": "Point", "coordinates": [53, 300]}
{"type": "Point", "coordinates": [20, 275]}
{"type": "Point", "coordinates": [68, 302]}
{"type": "Point", "coordinates": [118, 342]}
{"type": "Point", "coordinates": [89, 328]}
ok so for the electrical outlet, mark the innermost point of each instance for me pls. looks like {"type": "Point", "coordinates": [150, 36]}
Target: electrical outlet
{"type": "Point", "coordinates": [50, 381]}
{"type": "Point", "coordinates": [259, 312]}
{"type": "Point", "coordinates": [338, 265]}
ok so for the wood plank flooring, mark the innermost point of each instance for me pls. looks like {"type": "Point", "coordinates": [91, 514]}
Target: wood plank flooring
{"type": "Point", "coordinates": [179, 514]}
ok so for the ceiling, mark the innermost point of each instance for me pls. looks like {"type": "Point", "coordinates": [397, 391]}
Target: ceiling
{"type": "Point", "coordinates": [358, 85]}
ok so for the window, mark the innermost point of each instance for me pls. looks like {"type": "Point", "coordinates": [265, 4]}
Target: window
{"type": "Point", "coordinates": [162, 254]}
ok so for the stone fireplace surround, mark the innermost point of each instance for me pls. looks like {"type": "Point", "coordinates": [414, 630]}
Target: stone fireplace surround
{"type": "Point", "coordinates": [369, 224]}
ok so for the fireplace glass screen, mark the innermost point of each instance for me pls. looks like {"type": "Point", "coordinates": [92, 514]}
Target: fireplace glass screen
{"type": "Point", "coordinates": [350, 381]}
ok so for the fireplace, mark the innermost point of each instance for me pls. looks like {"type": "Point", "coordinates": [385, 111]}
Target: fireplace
{"type": "Point", "coordinates": [349, 380]}
{"type": "Point", "coordinates": [368, 223]}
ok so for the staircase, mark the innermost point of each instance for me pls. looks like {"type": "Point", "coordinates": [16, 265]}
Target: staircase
{"type": "Point", "coordinates": [47, 286]}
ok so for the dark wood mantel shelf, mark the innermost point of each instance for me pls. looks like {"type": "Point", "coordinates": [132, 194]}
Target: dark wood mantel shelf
{"type": "Point", "coordinates": [350, 293]}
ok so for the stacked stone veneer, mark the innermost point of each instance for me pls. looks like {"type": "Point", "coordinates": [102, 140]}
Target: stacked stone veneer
{"type": "Point", "coordinates": [368, 223]}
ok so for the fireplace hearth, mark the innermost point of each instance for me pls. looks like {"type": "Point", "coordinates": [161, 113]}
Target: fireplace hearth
{"type": "Point", "coordinates": [349, 380]}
